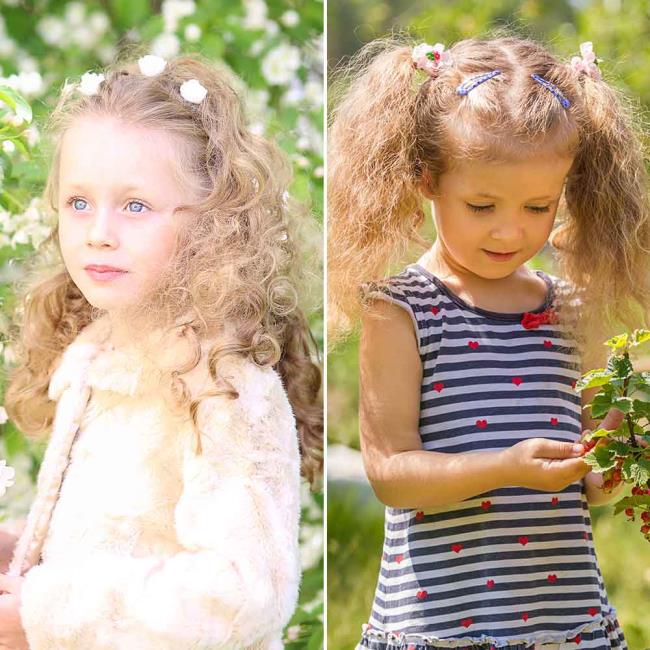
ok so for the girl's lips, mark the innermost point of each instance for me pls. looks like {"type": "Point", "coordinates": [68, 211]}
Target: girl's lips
{"type": "Point", "coordinates": [500, 256]}
{"type": "Point", "coordinates": [104, 273]}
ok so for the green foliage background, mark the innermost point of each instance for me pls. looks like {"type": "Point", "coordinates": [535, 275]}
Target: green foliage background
{"type": "Point", "coordinates": [275, 47]}
{"type": "Point", "coordinates": [619, 30]}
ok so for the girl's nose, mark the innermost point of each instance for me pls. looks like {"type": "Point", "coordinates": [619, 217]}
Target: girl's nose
{"type": "Point", "coordinates": [101, 231]}
{"type": "Point", "coordinates": [508, 231]}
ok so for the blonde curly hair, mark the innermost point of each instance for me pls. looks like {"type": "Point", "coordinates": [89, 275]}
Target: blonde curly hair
{"type": "Point", "coordinates": [389, 127]}
{"type": "Point", "coordinates": [236, 270]}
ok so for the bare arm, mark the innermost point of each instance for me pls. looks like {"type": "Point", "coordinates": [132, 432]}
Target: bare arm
{"type": "Point", "coordinates": [402, 474]}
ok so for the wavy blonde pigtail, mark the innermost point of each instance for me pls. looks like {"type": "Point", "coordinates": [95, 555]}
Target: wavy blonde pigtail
{"type": "Point", "coordinates": [374, 209]}
{"type": "Point", "coordinates": [604, 247]}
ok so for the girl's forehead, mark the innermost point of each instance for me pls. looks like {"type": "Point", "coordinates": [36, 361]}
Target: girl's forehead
{"type": "Point", "coordinates": [543, 174]}
{"type": "Point", "coordinates": [107, 150]}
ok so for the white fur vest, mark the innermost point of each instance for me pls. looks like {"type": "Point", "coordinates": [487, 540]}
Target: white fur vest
{"type": "Point", "coordinates": [143, 544]}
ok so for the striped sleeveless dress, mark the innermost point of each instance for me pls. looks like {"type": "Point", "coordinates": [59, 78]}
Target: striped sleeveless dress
{"type": "Point", "coordinates": [513, 567]}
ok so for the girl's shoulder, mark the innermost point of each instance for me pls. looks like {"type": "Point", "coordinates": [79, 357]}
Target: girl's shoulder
{"type": "Point", "coordinates": [409, 287]}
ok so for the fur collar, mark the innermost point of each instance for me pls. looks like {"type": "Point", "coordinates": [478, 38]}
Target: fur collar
{"type": "Point", "coordinates": [131, 370]}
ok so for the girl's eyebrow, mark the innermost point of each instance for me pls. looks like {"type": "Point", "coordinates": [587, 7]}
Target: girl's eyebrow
{"type": "Point", "coordinates": [120, 188]}
{"type": "Point", "coordinates": [536, 198]}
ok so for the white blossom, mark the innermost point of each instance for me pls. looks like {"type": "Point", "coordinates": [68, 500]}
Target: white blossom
{"type": "Point", "coordinates": [311, 545]}
{"type": "Point", "coordinates": [293, 632]}
{"type": "Point", "coordinates": [7, 474]}
{"type": "Point", "coordinates": [255, 17]}
{"type": "Point", "coordinates": [166, 45]}
{"type": "Point", "coordinates": [33, 135]}
{"type": "Point", "coordinates": [52, 30]}
{"type": "Point", "coordinates": [99, 22]}
{"type": "Point", "coordinates": [290, 18]}
{"type": "Point", "coordinates": [3, 417]}
{"type": "Point", "coordinates": [90, 82]}
{"type": "Point", "coordinates": [75, 13]}
{"type": "Point", "coordinates": [314, 93]}
{"type": "Point", "coordinates": [85, 37]}
{"type": "Point", "coordinates": [280, 63]}
{"type": "Point", "coordinates": [151, 65]}
{"type": "Point", "coordinates": [174, 10]}
{"type": "Point", "coordinates": [106, 53]}
{"type": "Point", "coordinates": [7, 46]}
{"type": "Point", "coordinates": [319, 172]}
{"type": "Point", "coordinates": [8, 146]}
{"type": "Point", "coordinates": [192, 32]}
{"type": "Point", "coordinates": [193, 91]}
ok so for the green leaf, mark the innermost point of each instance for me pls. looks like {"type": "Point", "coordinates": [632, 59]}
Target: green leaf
{"type": "Point", "coordinates": [601, 403]}
{"type": "Point", "coordinates": [17, 102]}
{"type": "Point", "coordinates": [617, 342]}
{"type": "Point", "coordinates": [600, 458]}
{"type": "Point", "coordinates": [640, 471]}
{"type": "Point", "coordinates": [640, 336]}
{"type": "Point", "coordinates": [630, 502]}
{"type": "Point", "coordinates": [621, 366]}
{"type": "Point", "coordinates": [593, 378]}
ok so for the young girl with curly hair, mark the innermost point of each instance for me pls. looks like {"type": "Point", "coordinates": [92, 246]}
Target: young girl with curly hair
{"type": "Point", "coordinates": [469, 416]}
{"type": "Point", "coordinates": [163, 351]}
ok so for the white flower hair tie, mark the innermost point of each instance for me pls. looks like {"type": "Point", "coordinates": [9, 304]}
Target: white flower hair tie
{"type": "Point", "coordinates": [90, 82]}
{"type": "Point", "coordinates": [193, 91]}
{"type": "Point", "coordinates": [587, 61]}
{"type": "Point", "coordinates": [151, 65]}
{"type": "Point", "coordinates": [430, 57]}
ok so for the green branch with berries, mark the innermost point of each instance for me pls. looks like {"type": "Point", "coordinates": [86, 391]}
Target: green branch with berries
{"type": "Point", "coordinates": [622, 455]}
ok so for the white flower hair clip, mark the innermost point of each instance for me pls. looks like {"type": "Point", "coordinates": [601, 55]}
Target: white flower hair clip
{"type": "Point", "coordinates": [151, 65]}
{"type": "Point", "coordinates": [587, 61]}
{"type": "Point", "coordinates": [430, 57]}
{"type": "Point", "coordinates": [193, 91]}
{"type": "Point", "coordinates": [90, 82]}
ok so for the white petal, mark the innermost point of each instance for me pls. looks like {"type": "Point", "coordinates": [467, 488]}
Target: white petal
{"type": "Point", "coordinates": [193, 91]}
{"type": "Point", "coordinates": [151, 65]}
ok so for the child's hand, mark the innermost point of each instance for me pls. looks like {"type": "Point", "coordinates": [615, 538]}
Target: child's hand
{"type": "Point", "coordinates": [12, 634]}
{"type": "Point", "coordinates": [551, 465]}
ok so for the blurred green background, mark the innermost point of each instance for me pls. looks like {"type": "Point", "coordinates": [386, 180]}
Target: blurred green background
{"type": "Point", "coordinates": [274, 47]}
{"type": "Point", "coordinates": [620, 31]}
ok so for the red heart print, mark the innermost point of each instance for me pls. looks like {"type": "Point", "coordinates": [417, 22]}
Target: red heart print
{"type": "Point", "coordinates": [554, 421]}
{"type": "Point", "coordinates": [481, 424]}
{"type": "Point", "coordinates": [490, 584]}
{"type": "Point", "coordinates": [523, 540]}
{"type": "Point", "coordinates": [435, 310]}
{"type": "Point", "coordinates": [577, 639]}
{"type": "Point", "coordinates": [552, 577]}
{"type": "Point", "coordinates": [466, 622]}
{"type": "Point", "coordinates": [419, 515]}
{"type": "Point", "coordinates": [473, 344]}
{"type": "Point", "coordinates": [438, 386]}
{"type": "Point", "coordinates": [573, 384]}
{"type": "Point", "coordinates": [593, 611]}
{"type": "Point", "coordinates": [517, 381]}
{"type": "Point", "coordinates": [555, 501]}
{"type": "Point", "coordinates": [586, 535]}
{"type": "Point", "coordinates": [456, 548]}
{"type": "Point", "coordinates": [421, 595]}
{"type": "Point", "coordinates": [486, 504]}
{"type": "Point", "coordinates": [399, 558]}
{"type": "Point", "coordinates": [410, 647]}
{"type": "Point", "coordinates": [548, 344]}
{"type": "Point", "coordinates": [525, 616]}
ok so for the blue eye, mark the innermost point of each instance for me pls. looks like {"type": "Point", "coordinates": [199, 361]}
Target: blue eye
{"type": "Point", "coordinates": [142, 205]}
{"type": "Point", "coordinates": [75, 203]}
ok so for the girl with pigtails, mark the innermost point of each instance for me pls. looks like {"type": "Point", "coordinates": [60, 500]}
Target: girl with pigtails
{"type": "Point", "coordinates": [469, 418]}
{"type": "Point", "coordinates": [165, 358]}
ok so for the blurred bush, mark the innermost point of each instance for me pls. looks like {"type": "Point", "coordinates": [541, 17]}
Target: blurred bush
{"type": "Point", "coordinates": [275, 48]}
